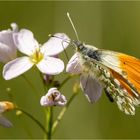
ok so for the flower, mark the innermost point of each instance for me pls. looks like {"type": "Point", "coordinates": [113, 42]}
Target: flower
{"type": "Point", "coordinates": [41, 56]}
{"type": "Point", "coordinates": [53, 98]}
{"type": "Point", "coordinates": [5, 106]}
{"type": "Point", "coordinates": [90, 86]}
{"type": "Point", "coordinates": [7, 46]}
{"type": "Point", "coordinates": [73, 65]}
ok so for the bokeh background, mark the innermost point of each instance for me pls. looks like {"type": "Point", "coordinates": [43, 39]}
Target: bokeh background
{"type": "Point", "coordinates": [109, 25]}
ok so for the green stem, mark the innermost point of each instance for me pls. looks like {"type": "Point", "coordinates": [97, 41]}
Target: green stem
{"type": "Point", "coordinates": [34, 119]}
{"type": "Point", "coordinates": [49, 121]}
{"type": "Point", "coordinates": [61, 114]}
{"type": "Point", "coordinates": [48, 113]}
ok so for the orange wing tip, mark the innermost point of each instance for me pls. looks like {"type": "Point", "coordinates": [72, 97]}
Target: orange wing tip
{"type": "Point", "coordinates": [131, 66]}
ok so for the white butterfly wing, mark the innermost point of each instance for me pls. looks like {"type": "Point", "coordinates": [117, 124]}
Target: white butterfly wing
{"type": "Point", "coordinates": [111, 60]}
{"type": "Point", "coordinates": [91, 87]}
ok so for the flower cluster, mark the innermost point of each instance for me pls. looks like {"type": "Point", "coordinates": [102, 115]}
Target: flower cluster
{"type": "Point", "coordinates": [42, 56]}
{"type": "Point", "coordinates": [45, 58]}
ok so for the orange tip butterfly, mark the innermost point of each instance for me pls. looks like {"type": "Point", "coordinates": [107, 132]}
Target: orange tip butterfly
{"type": "Point", "coordinates": [117, 73]}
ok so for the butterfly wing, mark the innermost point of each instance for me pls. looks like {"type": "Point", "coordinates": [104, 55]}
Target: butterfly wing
{"type": "Point", "coordinates": [125, 68]}
{"type": "Point", "coordinates": [118, 73]}
{"type": "Point", "coordinates": [91, 87]}
{"type": "Point", "coordinates": [125, 77]}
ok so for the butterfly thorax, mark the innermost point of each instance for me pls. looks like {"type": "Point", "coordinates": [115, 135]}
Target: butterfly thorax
{"type": "Point", "coordinates": [85, 50]}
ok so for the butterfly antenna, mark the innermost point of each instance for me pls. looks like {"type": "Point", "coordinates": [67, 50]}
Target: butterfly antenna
{"type": "Point", "coordinates": [68, 15]}
{"type": "Point", "coordinates": [67, 57]}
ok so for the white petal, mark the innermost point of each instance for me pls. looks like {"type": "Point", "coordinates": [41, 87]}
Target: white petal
{"type": "Point", "coordinates": [73, 65]}
{"type": "Point", "coordinates": [25, 41]}
{"type": "Point", "coordinates": [91, 87]}
{"type": "Point", "coordinates": [6, 37]}
{"type": "Point", "coordinates": [6, 53]}
{"type": "Point", "coordinates": [52, 90]}
{"type": "Point", "coordinates": [51, 66]}
{"type": "Point", "coordinates": [55, 44]}
{"type": "Point", "coordinates": [7, 46]}
{"type": "Point", "coordinates": [62, 101]}
{"type": "Point", "coordinates": [44, 101]}
{"type": "Point", "coordinates": [16, 67]}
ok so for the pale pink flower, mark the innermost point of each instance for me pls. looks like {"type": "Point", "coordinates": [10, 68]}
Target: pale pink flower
{"type": "Point", "coordinates": [90, 86]}
{"type": "Point", "coordinates": [8, 49]}
{"type": "Point", "coordinates": [53, 98]}
{"type": "Point", "coordinates": [41, 56]}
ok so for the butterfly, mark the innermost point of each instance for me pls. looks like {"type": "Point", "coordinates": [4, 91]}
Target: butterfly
{"type": "Point", "coordinates": [117, 73]}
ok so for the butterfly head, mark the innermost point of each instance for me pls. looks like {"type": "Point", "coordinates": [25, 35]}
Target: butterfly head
{"type": "Point", "coordinates": [78, 44]}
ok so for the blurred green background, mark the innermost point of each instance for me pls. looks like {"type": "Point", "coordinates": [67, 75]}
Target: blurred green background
{"type": "Point", "coordinates": [108, 25]}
